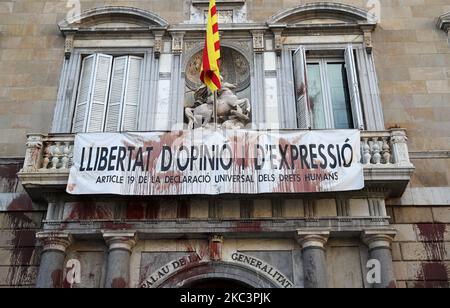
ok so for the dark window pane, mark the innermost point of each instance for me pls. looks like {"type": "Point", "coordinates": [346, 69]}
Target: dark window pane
{"type": "Point", "coordinates": [340, 98]}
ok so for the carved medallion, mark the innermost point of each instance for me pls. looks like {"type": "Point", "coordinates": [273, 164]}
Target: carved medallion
{"type": "Point", "coordinates": [234, 69]}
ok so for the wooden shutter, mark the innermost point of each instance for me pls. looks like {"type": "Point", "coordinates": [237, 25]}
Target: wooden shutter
{"type": "Point", "coordinates": [301, 89]}
{"type": "Point", "coordinates": [124, 94]}
{"type": "Point", "coordinates": [99, 96]}
{"type": "Point", "coordinates": [353, 85]}
{"type": "Point", "coordinates": [116, 94]}
{"type": "Point", "coordinates": [84, 94]}
{"type": "Point", "coordinates": [132, 94]}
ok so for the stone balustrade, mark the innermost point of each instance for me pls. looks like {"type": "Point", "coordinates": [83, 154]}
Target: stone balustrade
{"type": "Point", "coordinates": [48, 158]}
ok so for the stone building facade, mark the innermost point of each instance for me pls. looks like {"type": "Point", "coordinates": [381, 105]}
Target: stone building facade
{"type": "Point", "coordinates": [399, 96]}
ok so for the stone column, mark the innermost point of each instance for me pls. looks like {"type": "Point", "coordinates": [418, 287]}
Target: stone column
{"type": "Point", "coordinates": [51, 269]}
{"type": "Point", "coordinates": [379, 243]}
{"type": "Point", "coordinates": [313, 256]}
{"type": "Point", "coordinates": [120, 244]}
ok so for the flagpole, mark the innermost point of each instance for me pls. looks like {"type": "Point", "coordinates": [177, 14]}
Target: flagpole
{"type": "Point", "coordinates": [215, 111]}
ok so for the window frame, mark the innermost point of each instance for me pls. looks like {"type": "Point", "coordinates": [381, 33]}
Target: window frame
{"type": "Point", "coordinates": [370, 98]}
{"type": "Point", "coordinates": [323, 61]}
{"type": "Point", "coordinates": [69, 83]}
{"type": "Point", "coordinates": [121, 117]}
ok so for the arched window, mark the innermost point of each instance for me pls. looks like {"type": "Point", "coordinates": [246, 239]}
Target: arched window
{"type": "Point", "coordinates": [105, 84]}
{"type": "Point", "coordinates": [334, 84]}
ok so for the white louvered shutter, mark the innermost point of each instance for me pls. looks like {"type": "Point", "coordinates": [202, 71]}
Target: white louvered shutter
{"type": "Point", "coordinates": [301, 89]}
{"type": "Point", "coordinates": [353, 85]}
{"type": "Point", "coordinates": [84, 94]}
{"type": "Point", "coordinates": [116, 94]}
{"type": "Point", "coordinates": [132, 94]}
{"type": "Point", "coordinates": [100, 90]}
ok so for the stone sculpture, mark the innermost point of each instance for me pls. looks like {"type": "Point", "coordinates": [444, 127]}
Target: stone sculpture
{"type": "Point", "coordinates": [232, 112]}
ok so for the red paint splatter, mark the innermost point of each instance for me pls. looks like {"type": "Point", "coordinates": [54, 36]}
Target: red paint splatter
{"type": "Point", "coordinates": [57, 278]}
{"type": "Point", "coordinates": [432, 236]}
{"type": "Point", "coordinates": [136, 210]}
{"type": "Point", "coordinates": [89, 210]}
{"type": "Point", "coordinates": [433, 274]}
{"type": "Point", "coordinates": [118, 283]}
{"type": "Point", "coordinates": [21, 203]}
{"type": "Point", "coordinates": [252, 226]}
{"type": "Point", "coordinates": [9, 175]}
{"type": "Point", "coordinates": [23, 241]}
{"type": "Point", "coordinates": [215, 248]}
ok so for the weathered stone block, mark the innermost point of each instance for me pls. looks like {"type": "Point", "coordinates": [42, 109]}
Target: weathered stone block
{"type": "Point", "coordinates": [407, 270]}
{"type": "Point", "coordinates": [262, 208]}
{"type": "Point", "coordinates": [230, 208]}
{"type": "Point", "coordinates": [293, 208]}
{"type": "Point", "coordinates": [200, 209]}
{"type": "Point", "coordinates": [412, 215]}
{"type": "Point", "coordinates": [441, 214]}
{"type": "Point", "coordinates": [396, 252]}
{"type": "Point", "coordinates": [432, 251]}
{"type": "Point", "coordinates": [359, 207]}
{"type": "Point", "coordinates": [326, 208]}
{"type": "Point", "coordinates": [405, 233]}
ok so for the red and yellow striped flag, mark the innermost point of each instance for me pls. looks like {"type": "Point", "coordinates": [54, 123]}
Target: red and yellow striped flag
{"type": "Point", "coordinates": [210, 74]}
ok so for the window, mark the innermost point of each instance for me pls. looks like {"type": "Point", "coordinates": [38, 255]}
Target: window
{"type": "Point", "coordinates": [327, 89]}
{"type": "Point", "coordinates": [108, 94]}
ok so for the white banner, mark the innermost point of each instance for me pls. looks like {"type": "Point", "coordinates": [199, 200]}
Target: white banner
{"type": "Point", "coordinates": [208, 162]}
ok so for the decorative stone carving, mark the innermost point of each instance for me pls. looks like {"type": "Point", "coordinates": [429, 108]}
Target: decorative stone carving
{"type": "Point", "coordinates": [215, 247]}
{"type": "Point", "coordinates": [232, 113]}
{"type": "Point", "coordinates": [258, 41]}
{"type": "Point", "coordinates": [234, 68]}
{"type": "Point", "coordinates": [228, 11]}
{"type": "Point", "coordinates": [368, 39]}
{"type": "Point", "coordinates": [177, 42]}
{"type": "Point", "coordinates": [68, 45]}
{"type": "Point", "coordinates": [54, 240]}
{"type": "Point", "coordinates": [278, 40]}
{"type": "Point", "coordinates": [158, 49]}
{"type": "Point", "coordinates": [33, 153]}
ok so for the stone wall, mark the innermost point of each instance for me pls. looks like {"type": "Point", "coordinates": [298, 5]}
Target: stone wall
{"type": "Point", "coordinates": [420, 250]}
{"type": "Point", "coordinates": [20, 219]}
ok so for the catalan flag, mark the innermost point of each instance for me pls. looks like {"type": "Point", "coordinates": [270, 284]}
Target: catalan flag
{"type": "Point", "coordinates": [210, 74]}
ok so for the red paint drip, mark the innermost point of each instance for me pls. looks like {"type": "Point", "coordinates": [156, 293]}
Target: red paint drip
{"type": "Point", "coordinates": [432, 236]}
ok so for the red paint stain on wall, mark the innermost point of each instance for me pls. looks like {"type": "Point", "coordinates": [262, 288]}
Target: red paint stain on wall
{"type": "Point", "coordinates": [57, 278]}
{"type": "Point", "coordinates": [21, 203]}
{"type": "Point", "coordinates": [136, 210]}
{"type": "Point", "coordinates": [119, 283]}
{"type": "Point", "coordinates": [89, 210]}
{"type": "Point", "coordinates": [23, 241]}
{"type": "Point", "coordinates": [253, 226]}
{"type": "Point", "coordinates": [432, 236]}
{"type": "Point", "coordinates": [433, 274]}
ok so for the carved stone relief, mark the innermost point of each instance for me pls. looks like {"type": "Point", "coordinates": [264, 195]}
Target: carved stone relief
{"type": "Point", "coordinates": [234, 69]}
{"type": "Point", "coordinates": [233, 106]}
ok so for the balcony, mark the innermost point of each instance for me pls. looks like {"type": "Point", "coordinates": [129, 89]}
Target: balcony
{"type": "Point", "coordinates": [384, 155]}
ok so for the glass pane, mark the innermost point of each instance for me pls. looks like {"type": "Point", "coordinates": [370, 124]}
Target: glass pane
{"type": "Point", "coordinates": [315, 93]}
{"type": "Point", "coordinates": [340, 98]}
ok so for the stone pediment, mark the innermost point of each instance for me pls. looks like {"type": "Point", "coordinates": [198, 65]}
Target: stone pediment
{"type": "Point", "coordinates": [323, 13]}
{"type": "Point", "coordinates": [113, 18]}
